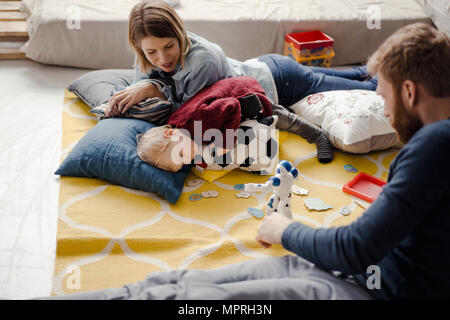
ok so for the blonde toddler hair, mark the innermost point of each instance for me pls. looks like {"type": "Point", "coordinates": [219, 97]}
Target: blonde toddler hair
{"type": "Point", "coordinates": [152, 144]}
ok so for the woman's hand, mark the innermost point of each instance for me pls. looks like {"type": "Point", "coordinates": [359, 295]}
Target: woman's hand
{"type": "Point", "coordinates": [123, 100]}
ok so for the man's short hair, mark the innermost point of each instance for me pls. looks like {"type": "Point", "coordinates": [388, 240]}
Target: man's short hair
{"type": "Point", "coordinates": [417, 52]}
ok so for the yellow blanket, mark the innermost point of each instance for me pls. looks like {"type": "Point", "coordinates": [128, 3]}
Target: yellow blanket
{"type": "Point", "coordinates": [109, 235]}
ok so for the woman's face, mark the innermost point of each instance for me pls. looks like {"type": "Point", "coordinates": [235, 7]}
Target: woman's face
{"type": "Point", "coordinates": [163, 53]}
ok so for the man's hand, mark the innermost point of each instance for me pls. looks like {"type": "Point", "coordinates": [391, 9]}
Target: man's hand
{"type": "Point", "coordinates": [123, 100]}
{"type": "Point", "coordinates": [271, 229]}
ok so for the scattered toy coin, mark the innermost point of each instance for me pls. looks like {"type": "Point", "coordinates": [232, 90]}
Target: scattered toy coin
{"type": "Point", "coordinates": [350, 168]}
{"type": "Point", "coordinates": [195, 197]}
{"type": "Point", "coordinates": [210, 194]}
{"type": "Point", "coordinates": [345, 211]}
{"type": "Point", "coordinates": [299, 191]}
{"type": "Point", "coordinates": [193, 182]}
{"type": "Point", "coordinates": [243, 194]}
{"type": "Point", "coordinates": [257, 213]}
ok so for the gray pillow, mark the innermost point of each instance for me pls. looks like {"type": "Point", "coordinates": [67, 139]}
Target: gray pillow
{"type": "Point", "coordinates": [97, 87]}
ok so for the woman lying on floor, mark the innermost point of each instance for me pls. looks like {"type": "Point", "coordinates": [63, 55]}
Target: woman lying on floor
{"type": "Point", "coordinates": [165, 50]}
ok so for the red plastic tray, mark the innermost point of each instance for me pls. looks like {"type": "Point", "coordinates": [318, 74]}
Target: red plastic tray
{"type": "Point", "coordinates": [364, 186]}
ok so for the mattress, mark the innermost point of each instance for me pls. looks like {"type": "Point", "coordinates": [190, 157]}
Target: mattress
{"type": "Point", "coordinates": [93, 34]}
{"type": "Point", "coordinates": [109, 236]}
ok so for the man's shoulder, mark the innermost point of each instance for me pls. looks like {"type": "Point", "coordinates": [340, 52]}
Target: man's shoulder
{"type": "Point", "coordinates": [441, 125]}
{"type": "Point", "coordinates": [430, 142]}
{"type": "Point", "coordinates": [436, 132]}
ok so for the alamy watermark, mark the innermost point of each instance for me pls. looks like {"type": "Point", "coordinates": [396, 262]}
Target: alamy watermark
{"type": "Point", "coordinates": [373, 21]}
{"type": "Point", "coordinates": [73, 281]}
{"type": "Point", "coordinates": [73, 20]}
{"type": "Point", "coordinates": [374, 280]}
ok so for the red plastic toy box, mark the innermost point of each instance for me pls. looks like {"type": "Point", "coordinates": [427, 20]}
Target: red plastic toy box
{"type": "Point", "coordinates": [312, 48]}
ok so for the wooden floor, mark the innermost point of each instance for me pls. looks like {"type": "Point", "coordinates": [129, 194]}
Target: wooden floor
{"type": "Point", "coordinates": [13, 29]}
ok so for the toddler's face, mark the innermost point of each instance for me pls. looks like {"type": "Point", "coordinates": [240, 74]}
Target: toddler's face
{"type": "Point", "coordinates": [163, 53]}
{"type": "Point", "coordinates": [180, 151]}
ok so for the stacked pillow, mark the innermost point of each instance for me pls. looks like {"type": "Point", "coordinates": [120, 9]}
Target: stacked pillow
{"type": "Point", "coordinates": [108, 150]}
{"type": "Point", "coordinates": [353, 120]}
{"type": "Point", "coordinates": [97, 87]}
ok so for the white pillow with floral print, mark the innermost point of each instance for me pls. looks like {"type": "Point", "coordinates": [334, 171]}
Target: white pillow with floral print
{"type": "Point", "coordinates": [353, 120]}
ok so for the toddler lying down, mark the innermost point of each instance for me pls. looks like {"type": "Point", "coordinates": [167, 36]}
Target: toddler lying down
{"type": "Point", "coordinates": [208, 116]}
{"type": "Point", "coordinates": [252, 146]}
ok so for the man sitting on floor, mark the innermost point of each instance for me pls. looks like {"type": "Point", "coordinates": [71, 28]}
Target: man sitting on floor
{"type": "Point", "coordinates": [397, 249]}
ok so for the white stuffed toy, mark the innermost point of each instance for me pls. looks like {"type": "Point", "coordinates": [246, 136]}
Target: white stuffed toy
{"type": "Point", "coordinates": [280, 184]}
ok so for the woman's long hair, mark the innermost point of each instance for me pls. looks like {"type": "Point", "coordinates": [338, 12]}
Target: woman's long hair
{"type": "Point", "coordinates": [158, 19]}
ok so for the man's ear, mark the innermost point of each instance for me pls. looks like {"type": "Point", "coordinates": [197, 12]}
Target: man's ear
{"type": "Point", "coordinates": [409, 94]}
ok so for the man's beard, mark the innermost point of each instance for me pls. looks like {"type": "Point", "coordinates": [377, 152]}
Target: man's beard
{"type": "Point", "coordinates": [403, 121]}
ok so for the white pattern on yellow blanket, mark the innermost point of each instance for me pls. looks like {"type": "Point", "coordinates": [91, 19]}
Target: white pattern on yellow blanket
{"type": "Point", "coordinates": [109, 235]}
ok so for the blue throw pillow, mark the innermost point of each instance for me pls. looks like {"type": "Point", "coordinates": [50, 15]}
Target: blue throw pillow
{"type": "Point", "coordinates": [108, 152]}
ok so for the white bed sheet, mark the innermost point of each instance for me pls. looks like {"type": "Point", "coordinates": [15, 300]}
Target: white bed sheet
{"type": "Point", "coordinates": [243, 28]}
{"type": "Point", "coordinates": [31, 101]}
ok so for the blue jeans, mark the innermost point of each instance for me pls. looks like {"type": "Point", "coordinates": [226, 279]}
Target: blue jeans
{"type": "Point", "coordinates": [295, 81]}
